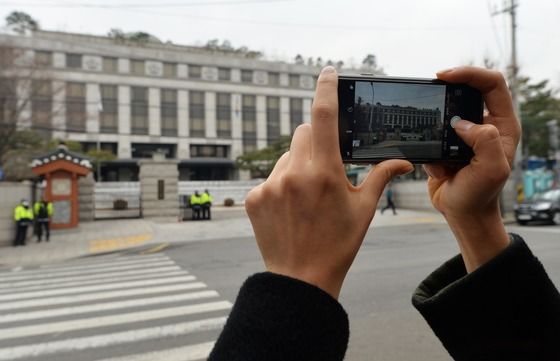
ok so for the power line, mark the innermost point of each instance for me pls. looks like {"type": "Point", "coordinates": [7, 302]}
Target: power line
{"type": "Point", "coordinates": [141, 5]}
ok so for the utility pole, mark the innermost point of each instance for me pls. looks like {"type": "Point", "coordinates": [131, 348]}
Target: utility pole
{"type": "Point", "coordinates": [517, 173]}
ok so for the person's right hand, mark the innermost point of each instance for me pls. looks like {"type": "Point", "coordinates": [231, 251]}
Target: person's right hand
{"type": "Point", "coordinates": [468, 198]}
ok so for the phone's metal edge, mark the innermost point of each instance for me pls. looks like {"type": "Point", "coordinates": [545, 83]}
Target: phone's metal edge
{"type": "Point", "coordinates": [364, 76]}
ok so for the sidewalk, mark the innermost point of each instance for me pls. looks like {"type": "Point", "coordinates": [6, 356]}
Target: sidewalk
{"type": "Point", "coordinates": [113, 235]}
{"type": "Point", "coordinates": [89, 238]}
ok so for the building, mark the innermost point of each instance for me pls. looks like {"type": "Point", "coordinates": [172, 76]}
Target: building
{"type": "Point", "coordinates": [201, 106]}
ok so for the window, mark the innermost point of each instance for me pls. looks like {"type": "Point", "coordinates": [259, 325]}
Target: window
{"type": "Point", "coordinates": [41, 105]}
{"type": "Point", "coordinates": [209, 151]}
{"type": "Point", "coordinates": [223, 115]}
{"type": "Point", "coordinates": [137, 67]}
{"type": "Point", "coordinates": [43, 58]}
{"type": "Point", "coordinates": [108, 117]}
{"type": "Point", "coordinates": [296, 112]}
{"type": "Point", "coordinates": [169, 112]}
{"type": "Point", "coordinates": [272, 118]}
{"type": "Point", "coordinates": [249, 123]}
{"type": "Point", "coordinates": [195, 71]}
{"type": "Point", "coordinates": [76, 107]}
{"type": "Point", "coordinates": [139, 110]}
{"type": "Point", "coordinates": [246, 76]}
{"type": "Point", "coordinates": [224, 74]}
{"type": "Point", "coordinates": [74, 61]}
{"type": "Point", "coordinates": [294, 81]}
{"type": "Point", "coordinates": [146, 150]}
{"type": "Point", "coordinates": [196, 113]}
{"type": "Point", "coordinates": [110, 65]}
{"type": "Point", "coordinates": [169, 70]}
{"type": "Point", "coordinates": [273, 79]}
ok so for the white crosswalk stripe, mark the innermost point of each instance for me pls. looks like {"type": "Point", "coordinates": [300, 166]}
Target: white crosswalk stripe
{"type": "Point", "coordinates": [111, 304]}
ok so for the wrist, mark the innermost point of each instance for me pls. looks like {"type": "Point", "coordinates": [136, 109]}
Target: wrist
{"type": "Point", "coordinates": [330, 284]}
{"type": "Point", "coordinates": [480, 236]}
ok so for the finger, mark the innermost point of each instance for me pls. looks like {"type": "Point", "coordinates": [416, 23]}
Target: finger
{"type": "Point", "coordinates": [489, 158]}
{"type": "Point", "coordinates": [300, 148]}
{"type": "Point", "coordinates": [324, 115]}
{"type": "Point", "coordinates": [436, 171]}
{"type": "Point", "coordinates": [281, 164]}
{"type": "Point", "coordinates": [378, 177]}
{"type": "Point", "coordinates": [509, 141]}
{"type": "Point", "coordinates": [490, 82]}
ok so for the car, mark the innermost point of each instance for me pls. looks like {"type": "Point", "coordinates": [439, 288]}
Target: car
{"type": "Point", "coordinates": [543, 206]}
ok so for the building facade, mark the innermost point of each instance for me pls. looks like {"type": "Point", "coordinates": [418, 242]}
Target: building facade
{"type": "Point", "coordinates": [203, 107]}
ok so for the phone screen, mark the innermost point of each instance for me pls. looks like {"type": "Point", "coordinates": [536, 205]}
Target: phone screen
{"type": "Point", "coordinates": [380, 119]}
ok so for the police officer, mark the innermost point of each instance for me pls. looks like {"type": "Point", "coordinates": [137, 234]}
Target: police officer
{"type": "Point", "coordinates": [206, 200]}
{"type": "Point", "coordinates": [42, 210]}
{"type": "Point", "coordinates": [23, 216]}
{"type": "Point", "coordinates": [196, 205]}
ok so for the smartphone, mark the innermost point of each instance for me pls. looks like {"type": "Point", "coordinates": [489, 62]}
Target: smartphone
{"type": "Point", "coordinates": [404, 118]}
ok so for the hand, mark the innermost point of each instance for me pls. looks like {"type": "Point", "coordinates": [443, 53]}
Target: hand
{"type": "Point", "coordinates": [468, 198]}
{"type": "Point", "coordinates": [309, 221]}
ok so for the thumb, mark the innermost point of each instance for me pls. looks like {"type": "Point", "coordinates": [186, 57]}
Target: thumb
{"type": "Point", "coordinates": [378, 177]}
{"type": "Point", "coordinates": [489, 159]}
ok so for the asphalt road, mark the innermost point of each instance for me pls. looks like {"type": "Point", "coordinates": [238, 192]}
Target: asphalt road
{"type": "Point", "coordinates": [376, 294]}
{"type": "Point", "coordinates": [169, 301]}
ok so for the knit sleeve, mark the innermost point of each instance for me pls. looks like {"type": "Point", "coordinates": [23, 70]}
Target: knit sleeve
{"type": "Point", "coordinates": [507, 309]}
{"type": "Point", "coordinates": [281, 318]}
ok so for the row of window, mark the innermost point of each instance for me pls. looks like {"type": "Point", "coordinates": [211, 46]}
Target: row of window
{"type": "Point", "coordinates": [146, 150]}
{"type": "Point", "coordinates": [168, 70]}
{"type": "Point", "coordinates": [139, 111]}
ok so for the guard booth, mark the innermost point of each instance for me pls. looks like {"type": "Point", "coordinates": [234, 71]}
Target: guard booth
{"type": "Point", "coordinates": [61, 170]}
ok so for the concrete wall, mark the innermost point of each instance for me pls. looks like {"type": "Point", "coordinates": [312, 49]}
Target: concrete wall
{"type": "Point", "coordinates": [85, 198]}
{"type": "Point", "coordinates": [11, 193]}
{"type": "Point", "coordinates": [106, 193]}
{"type": "Point", "coordinates": [410, 195]}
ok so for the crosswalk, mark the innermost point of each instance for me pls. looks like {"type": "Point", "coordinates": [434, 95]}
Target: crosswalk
{"type": "Point", "coordinates": [377, 152]}
{"type": "Point", "coordinates": [111, 308]}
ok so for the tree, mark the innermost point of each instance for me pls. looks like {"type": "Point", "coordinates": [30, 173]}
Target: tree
{"type": "Point", "coordinates": [26, 94]}
{"type": "Point", "coordinates": [369, 62]}
{"type": "Point", "coordinates": [21, 22]}
{"type": "Point", "coordinates": [299, 59]}
{"type": "Point", "coordinates": [539, 104]}
{"type": "Point", "coordinates": [261, 162]}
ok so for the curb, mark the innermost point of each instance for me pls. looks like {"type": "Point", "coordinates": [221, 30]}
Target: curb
{"type": "Point", "coordinates": [119, 243]}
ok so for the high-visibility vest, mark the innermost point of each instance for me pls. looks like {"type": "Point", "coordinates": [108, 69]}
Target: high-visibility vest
{"type": "Point", "coordinates": [195, 200]}
{"type": "Point", "coordinates": [37, 209]}
{"type": "Point", "coordinates": [205, 198]}
{"type": "Point", "coordinates": [22, 213]}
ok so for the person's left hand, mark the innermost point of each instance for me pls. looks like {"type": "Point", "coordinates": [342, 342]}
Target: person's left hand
{"type": "Point", "coordinates": [309, 220]}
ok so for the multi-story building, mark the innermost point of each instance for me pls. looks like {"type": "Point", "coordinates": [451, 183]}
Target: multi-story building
{"type": "Point", "coordinates": [203, 107]}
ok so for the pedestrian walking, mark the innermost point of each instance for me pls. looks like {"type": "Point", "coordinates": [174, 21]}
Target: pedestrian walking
{"type": "Point", "coordinates": [43, 211]}
{"type": "Point", "coordinates": [23, 216]}
{"type": "Point", "coordinates": [196, 205]}
{"type": "Point", "coordinates": [390, 203]}
{"type": "Point", "coordinates": [206, 200]}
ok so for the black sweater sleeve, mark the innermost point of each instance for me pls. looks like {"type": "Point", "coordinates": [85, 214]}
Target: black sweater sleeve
{"type": "Point", "coordinates": [508, 309]}
{"type": "Point", "coordinates": [281, 318]}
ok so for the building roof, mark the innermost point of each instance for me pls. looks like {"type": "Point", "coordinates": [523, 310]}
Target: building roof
{"type": "Point", "coordinates": [61, 154]}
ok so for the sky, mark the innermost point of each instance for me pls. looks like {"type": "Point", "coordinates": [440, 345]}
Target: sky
{"type": "Point", "coordinates": [409, 37]}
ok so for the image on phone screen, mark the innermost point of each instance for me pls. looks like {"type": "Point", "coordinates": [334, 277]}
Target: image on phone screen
{"type": "Point", "coordinates": [398, 120]}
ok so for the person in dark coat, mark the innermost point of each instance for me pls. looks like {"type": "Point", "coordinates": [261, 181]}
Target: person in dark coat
{"type": "Point", "coordinates": [43, 211]}
{"type": "Point", "coordinates": [493, 301]}
{"type": "Point", "coordinates": [390, 203]}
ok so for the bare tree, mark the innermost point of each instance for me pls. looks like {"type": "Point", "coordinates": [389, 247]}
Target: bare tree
{"type": "Point", "coordinates": [26, 105]}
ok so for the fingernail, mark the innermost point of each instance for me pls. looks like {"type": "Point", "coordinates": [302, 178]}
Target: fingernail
{"type": "Point", "coordinates": [445, 71]}
{"type": "Point", "coordinates": [457, 123]}
{"type": "Point", "coordinates": [328, 69]}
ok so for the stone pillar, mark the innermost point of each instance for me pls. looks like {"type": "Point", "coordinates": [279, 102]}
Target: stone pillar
{"type": "Point", "coordinates": [159, 191]}
{"type": "Point", "coordinates": [86, 201]}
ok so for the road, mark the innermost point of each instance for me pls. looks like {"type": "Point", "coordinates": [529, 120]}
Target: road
{"type": "Point", "coordinates": [170, 303]}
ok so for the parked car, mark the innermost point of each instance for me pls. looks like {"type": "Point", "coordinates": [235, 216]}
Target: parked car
{"type": "Point", "coordinates": [543, 206]}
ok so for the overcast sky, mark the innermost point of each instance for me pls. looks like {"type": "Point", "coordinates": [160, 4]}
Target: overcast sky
{"type": "Point", "coordinates": [409, 37]}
